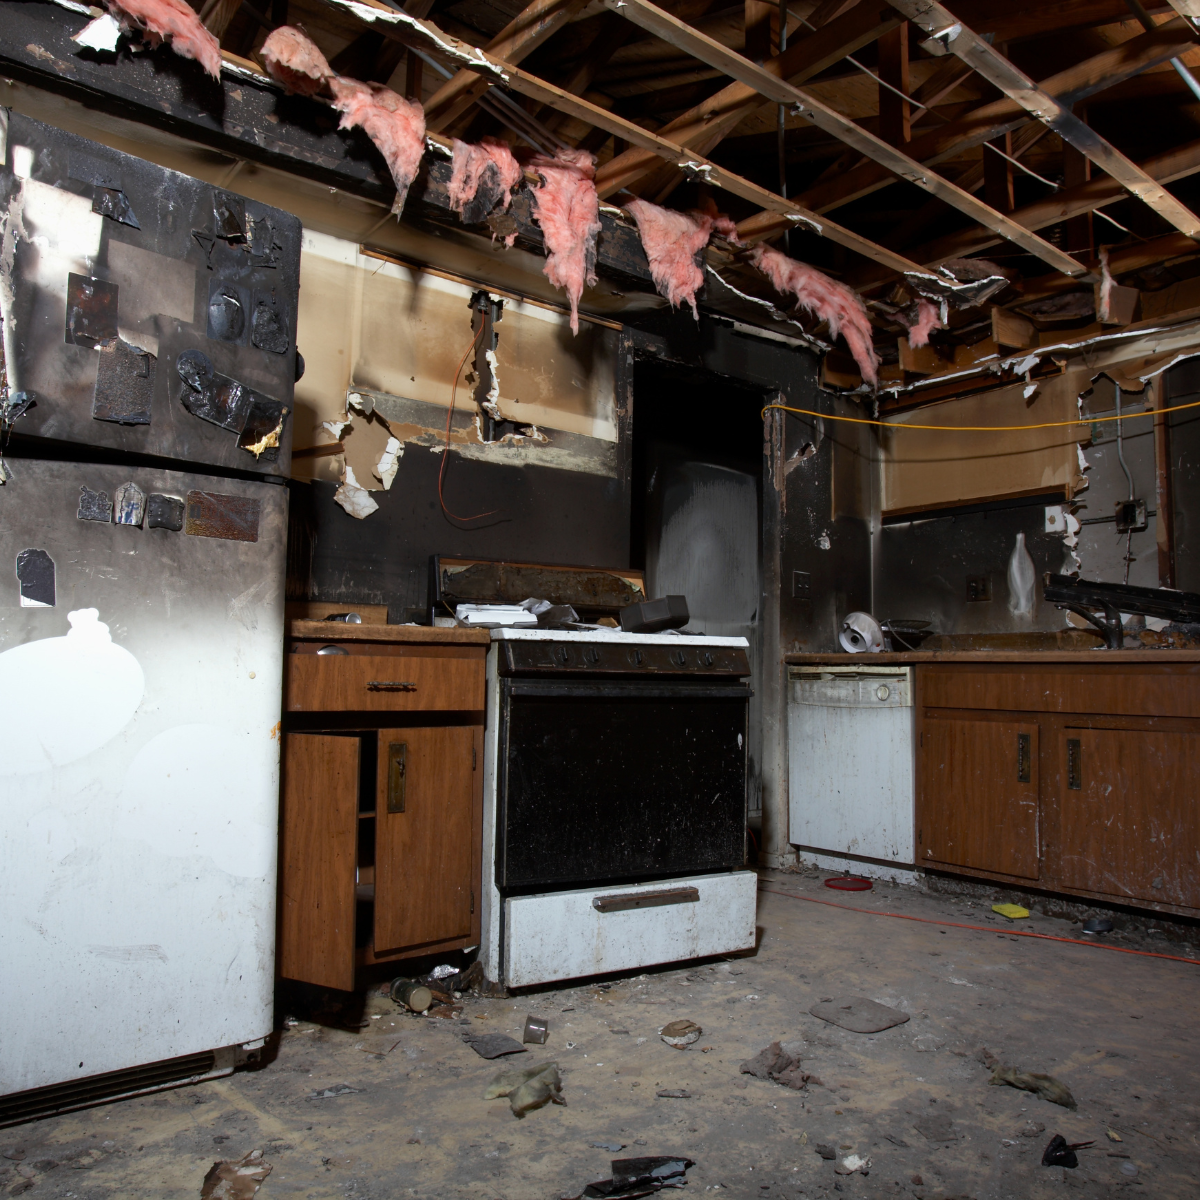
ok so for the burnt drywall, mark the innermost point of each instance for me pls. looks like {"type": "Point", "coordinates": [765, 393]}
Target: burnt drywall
{"type": "Point", "coordinates": [540, 515]}
{"type": "Point", "coordinates": [929, 568]}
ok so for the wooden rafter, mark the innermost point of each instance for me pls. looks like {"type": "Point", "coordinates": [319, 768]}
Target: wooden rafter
{"type": "Point", "coordinates": [429, 37]}
{"type": "Point", "coordinates": [996, 118]}
{"type": "Point", "coordinates": [959, 39]}
{"type": "Point", "coordinates": [771, 87]}
{"type": "Point", "coordinates": [518, 39]}
{"type": "Point", "coordinates": [1189, 10]}
{"type": "Point", "coordinates": [704, 125]}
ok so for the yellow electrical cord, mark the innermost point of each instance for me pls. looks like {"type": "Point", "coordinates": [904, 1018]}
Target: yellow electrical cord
{"type": "Point", "coordinates": [1146, 412]}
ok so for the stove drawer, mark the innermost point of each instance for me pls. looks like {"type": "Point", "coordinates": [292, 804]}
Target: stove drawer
{"type": "Point", "coordinates": [592, 931]}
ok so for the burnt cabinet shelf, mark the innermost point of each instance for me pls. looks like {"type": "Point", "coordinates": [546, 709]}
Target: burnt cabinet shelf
{"type": "Point", "coordinates": [380, 834]}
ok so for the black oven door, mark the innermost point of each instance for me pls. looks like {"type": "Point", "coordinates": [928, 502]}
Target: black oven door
{"type": "Point", "coordinates": [616, 782]}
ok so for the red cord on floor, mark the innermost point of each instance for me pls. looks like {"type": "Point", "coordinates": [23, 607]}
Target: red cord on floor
{"type": "Point", "coordinates": [1047, 937]}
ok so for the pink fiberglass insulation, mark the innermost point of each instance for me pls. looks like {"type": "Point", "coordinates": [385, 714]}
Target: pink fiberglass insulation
{"type": "Point", "coordinates": [170, 21]}
{"type": "Point", "coordinates": [469, 166]}
{"type": "Point", "coordinates": [928, 319]}
{"type": "Point", "coordinates": [568, 210]}
{"type": "Point", "coordinates": [833, 302]}
{"type": "Point", "coordinates": [673, 241]}
{"type": "Point", "coordinates": [293, 59]}
{"type": "Point", "coordinates": [395, 125]}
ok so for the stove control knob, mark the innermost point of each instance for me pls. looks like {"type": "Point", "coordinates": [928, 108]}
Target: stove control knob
{"type": "Point", "coordinates": [636, 657]}
{"type": "Point", "coordinates": [883, 691]}
{"type": "Point", "coordinates": [563, 654]}
{"type": "Point", "coordinates": [592, 655]}
{"type": "Point", "coordinates": [708, 658]}
{"type": "Point", "coordinates": [680, 657]}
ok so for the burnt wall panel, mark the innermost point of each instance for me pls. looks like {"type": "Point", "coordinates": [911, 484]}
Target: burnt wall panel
{"type": "Point", "coordinates": [538, 515]}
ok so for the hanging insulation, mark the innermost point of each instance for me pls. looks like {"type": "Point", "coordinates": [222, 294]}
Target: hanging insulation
{"type": "Point", "coordinates": [293, 59]}
{"type": "Point", "coordinates": [395, 125]}
{"type": "Point", "coordinates": [170, 21]}
{"type": "Point", "coordinates": [673, 242]}
{"type": "Point", "coordinates": [482, 179]}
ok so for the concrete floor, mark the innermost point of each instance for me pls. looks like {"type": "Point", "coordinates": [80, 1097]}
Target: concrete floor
{"type": "Point", "coordinates": [1119, 1030]}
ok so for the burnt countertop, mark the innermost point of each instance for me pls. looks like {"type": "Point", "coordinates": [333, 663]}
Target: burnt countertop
{"type": "Point", "coordinates": [421, 635]}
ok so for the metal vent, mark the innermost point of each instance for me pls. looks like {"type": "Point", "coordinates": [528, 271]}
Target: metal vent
{"type": "Point", "coordinates": [113, 1085]}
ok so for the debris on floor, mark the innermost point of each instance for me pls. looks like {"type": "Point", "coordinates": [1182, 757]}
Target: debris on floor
{"type": "Point", "coordinates": [493, 1045]}
{"type": "Point", "coordinates": [229, 1180]}
{"type": "Point", "coordinates": [416, 997]}
{"type": "Point", "coordinates": [1061, 1153]}
{"type": "Point", "coordinates": [777, 1064]}
{"type": "Point", "coordinates": [853, 1164]}
{"type": "Point", "coordinates": [1045, 1086]}
{"type": "Point", "coordinates": [858, 1014]}
{"type": "Point", "coordinates": [527, 1089]}
{"type": "Point", "coordinates": [632, 1177]}
{"type": "Point", "coordinates": [331, 1093]}
{"type": "Point", "coordinates": [536, 1031]}
{"type": "Point", "coordinates": [680, 1034]}
{"type": "Point", "coordinates": [1014, 912]}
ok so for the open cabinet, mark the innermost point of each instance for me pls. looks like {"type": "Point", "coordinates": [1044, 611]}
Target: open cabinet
{"type": "Point", "coordinates": [380, 834]}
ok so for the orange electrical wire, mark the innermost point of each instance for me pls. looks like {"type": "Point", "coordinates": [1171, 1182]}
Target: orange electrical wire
{"type": "Point", "coordinates": [1048, 937]}
{"type": "Point", "coordinates": [449, 417]}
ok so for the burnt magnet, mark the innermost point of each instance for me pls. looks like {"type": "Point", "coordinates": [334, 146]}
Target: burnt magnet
{"type": "Point", "coordinates": [94, 506]}
{"type": "Point", "coordinates": [124, 384]}
{"type": "Point", "coordinates": [164, 512]}
{"type": "Point", "coordinates": [209, 396]}
{"type": "Point", "coordinates": [229, 218]}
{"type": "Point", "coordinates": [211, 514]}
{"type": "Point", "coordinates": [113, 203]}
{"type": "Point", "coordinates": [129, 502]}
{"type": "Point", "coordinates": [91, 311]}
{"type": "Point", "coordinates": [263, 429]}
{"type": "Point", "coordinates": [268, 327]}
{"type": "Point", "coordinates": [35, 575]}
{"type": "Point", "coordinates": [227, 318]}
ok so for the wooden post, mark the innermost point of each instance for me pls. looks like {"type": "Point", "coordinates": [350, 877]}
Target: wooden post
{"type": "Point", "coordinates": [895, 126]}
{"type": "Point", "coordinates": [998, 174]}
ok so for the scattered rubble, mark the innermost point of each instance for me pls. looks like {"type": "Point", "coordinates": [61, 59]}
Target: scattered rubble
{"type": "Point", "coordinates": [228, 1180]}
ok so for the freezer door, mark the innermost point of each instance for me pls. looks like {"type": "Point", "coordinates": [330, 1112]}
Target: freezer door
{"type": "Point", "coordinates": [140, 668]}
{"type": "Point", "coordinates": [144, 310]}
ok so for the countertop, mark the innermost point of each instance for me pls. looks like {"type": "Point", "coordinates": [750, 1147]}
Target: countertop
{"type": "Point", "coordinates": [1144, 657]}
{"type": "Point", "coordinates": [421, 635]}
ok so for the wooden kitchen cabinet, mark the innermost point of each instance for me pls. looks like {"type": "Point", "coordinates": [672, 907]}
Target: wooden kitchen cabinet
{"type": "Point", "coordinates": [1078, 774]}
{"type": "Point", "coordinates": [980, 794]}
{"type": "Point", "coordinates": [381, 798]}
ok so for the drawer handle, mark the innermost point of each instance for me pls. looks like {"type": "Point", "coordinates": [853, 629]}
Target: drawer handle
{"type": "Point", "coordinates": [391, 685]}
{"type": "Point", "coordinates": [628, 900]}
{"type": "Point", "coordinates": [1074, 765]}
{"type": "Point", "coordinates": [1024, 758]}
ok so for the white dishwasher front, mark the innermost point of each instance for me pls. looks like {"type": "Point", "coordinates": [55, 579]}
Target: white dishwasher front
{"type": "Point", "coordinates": [850, 760]}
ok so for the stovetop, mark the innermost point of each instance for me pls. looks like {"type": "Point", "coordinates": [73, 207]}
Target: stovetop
{"type": "Point", "coordinates": [611, 652]}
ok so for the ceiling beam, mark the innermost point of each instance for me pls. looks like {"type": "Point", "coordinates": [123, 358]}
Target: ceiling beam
{"type": "Point", "coordinates": [829, 120]}
{"type": "Point", "coordinates": [428, 36]}
{"type": "Point", "coordinates": [1189, 10]}
{"type": "Point", "coordinates": [992, 120]}
{"type": "Point", "coordinates": [1177, 163]}
{"type": "Point", "coordinates": [705, 124]}
{"type": "Point", "coordinates": [518, 39]}
{"type": "Point", "coordinates": [944, 28]}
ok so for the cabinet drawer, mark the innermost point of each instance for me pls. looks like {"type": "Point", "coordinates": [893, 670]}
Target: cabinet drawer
{"type": "Point", "coordinates": [566, 935]}
{"type": "Point", "coordinates": [383, 683]}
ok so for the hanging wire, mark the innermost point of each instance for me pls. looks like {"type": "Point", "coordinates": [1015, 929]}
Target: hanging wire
{"type": "Point", "coordinates": [1125, 468]}
{"type": "Point", "coordinates": [809, 412]}
{"type": "Point", "coordinates": [449, 418]}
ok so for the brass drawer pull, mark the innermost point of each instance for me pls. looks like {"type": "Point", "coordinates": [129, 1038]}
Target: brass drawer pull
{"type": "Point", "coordinates": [391, 685]}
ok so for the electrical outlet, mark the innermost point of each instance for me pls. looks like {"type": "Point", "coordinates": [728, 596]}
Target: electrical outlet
{"type": "Point", "coordinates": [801, 585]}
{"type": "Point", "coordinates": [979, 589]}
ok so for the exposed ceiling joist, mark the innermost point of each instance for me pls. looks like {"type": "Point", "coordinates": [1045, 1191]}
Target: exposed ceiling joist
{"type": "Point", "coordinates": [428, 36]}
{"type": "Point", "coordinates": [705, 124]}
{"type": "Point", "coordinates": [771, 87]}
{"type": "Point", "coordinates": [943, 28]}
{"type": "Point", "coordinates": [1189, 10]}
{"type": "Point", "coordinates": [518, 39]}
{"type": "Point", "coordinates": [996, 118]}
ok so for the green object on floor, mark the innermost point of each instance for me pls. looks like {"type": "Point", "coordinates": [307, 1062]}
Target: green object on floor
{"type": "Point", "coordinates": [1014, 912]}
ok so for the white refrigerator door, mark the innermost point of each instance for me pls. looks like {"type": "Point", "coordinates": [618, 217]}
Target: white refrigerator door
{"type": "Point", "coordinates": [139, 766]}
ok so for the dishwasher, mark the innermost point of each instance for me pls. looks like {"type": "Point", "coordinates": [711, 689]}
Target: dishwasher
{"type": "Point", "coordinates": [850, 761]}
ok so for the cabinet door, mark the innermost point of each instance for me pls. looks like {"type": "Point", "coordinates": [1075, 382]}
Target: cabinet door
{"type": "Point", "coordinates": [317, 855]}
{"type": "Point", "coordinates": [979, 795]}
{"type": "Point", "coordinates": [424, 840]}
{"type": "Point", "coordinates": [1127, 812]}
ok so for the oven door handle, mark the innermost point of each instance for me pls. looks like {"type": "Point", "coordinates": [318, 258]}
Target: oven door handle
{"type": "Point", "coordinates": [625, 901]}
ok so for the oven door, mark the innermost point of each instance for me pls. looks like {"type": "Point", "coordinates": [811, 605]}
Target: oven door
{"type": "Point", "coordinates": [613, 782]}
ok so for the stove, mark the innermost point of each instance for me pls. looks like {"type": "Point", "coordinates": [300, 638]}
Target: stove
{"type": "Point", "coordinates": [615, 803]}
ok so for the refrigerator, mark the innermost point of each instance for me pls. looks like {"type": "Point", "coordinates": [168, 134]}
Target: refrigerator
{"type": "Point", "coordinates": [149, 339]}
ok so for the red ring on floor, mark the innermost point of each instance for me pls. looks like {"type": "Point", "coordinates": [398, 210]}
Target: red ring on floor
{"type": "Point", "coordinates": [849, 883]}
